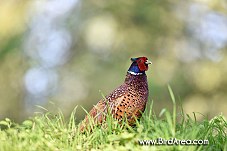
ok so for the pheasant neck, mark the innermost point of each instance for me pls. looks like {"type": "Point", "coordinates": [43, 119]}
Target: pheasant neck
{"type": "Point", "coordinates": [142, 78]}
{"type": "Point", "coordinates": [134, 69]}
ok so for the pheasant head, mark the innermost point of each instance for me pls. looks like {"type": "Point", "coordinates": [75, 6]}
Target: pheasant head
{"type": "Point", "coordinates": [139, 66]}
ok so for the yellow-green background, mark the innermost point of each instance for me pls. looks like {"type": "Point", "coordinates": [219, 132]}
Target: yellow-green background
{"type": "Point", "coordinates": [105, 34]}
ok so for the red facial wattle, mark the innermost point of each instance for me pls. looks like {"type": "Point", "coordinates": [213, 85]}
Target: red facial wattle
{"type": "Point", "coordinates": [141, 64]}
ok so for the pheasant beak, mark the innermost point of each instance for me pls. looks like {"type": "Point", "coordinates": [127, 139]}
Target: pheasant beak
{"type": "Point", "coordinates": [148, 62]}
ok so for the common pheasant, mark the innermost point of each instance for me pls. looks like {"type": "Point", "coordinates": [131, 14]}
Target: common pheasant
{"type": "Point", "coordinates": [127, 101]}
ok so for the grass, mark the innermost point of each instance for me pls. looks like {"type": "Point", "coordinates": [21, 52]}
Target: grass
{"type": "Point", "coordinates": [52, 132]}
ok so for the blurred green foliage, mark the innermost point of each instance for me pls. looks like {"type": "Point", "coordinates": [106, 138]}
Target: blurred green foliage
{"type": "Point", "coordinates": [105, 36]}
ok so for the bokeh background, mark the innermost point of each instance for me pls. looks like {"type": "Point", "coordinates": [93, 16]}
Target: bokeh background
{"type": "Point", "coordinates": [62, 54]}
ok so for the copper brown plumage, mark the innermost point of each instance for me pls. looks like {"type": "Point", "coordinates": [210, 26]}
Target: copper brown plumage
{"type": "Point", "coordinates": [128, 100]}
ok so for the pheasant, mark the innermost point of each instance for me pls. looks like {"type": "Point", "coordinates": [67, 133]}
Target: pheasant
{"type": "Point", "coordinates": [127, 101]}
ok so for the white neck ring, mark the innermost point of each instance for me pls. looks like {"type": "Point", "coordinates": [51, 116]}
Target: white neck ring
{"type": "Point", "coordinates": [133, 73]}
